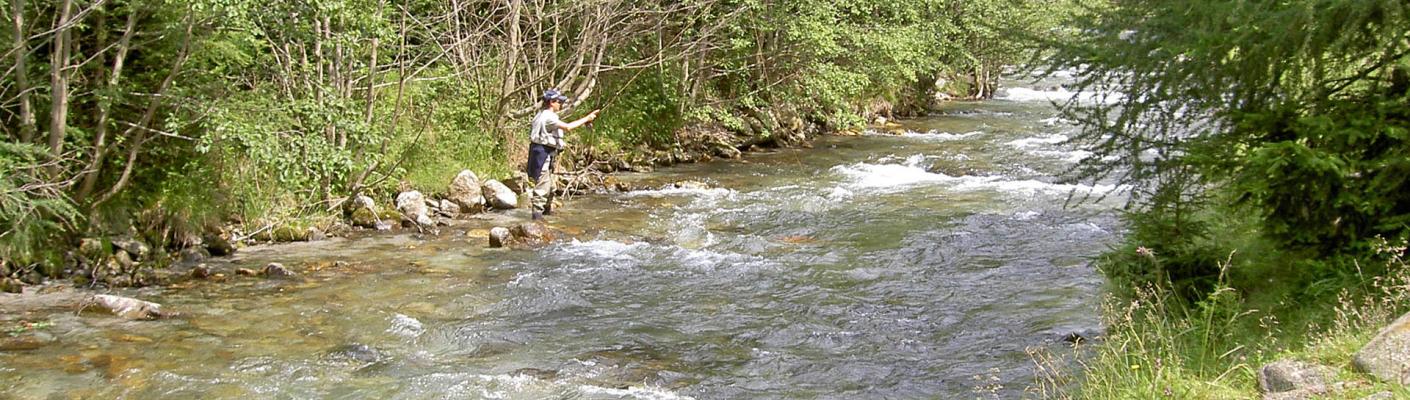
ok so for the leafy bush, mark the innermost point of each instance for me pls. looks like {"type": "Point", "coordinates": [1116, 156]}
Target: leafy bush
{"type": "Point", "coordinates": [33, 211]}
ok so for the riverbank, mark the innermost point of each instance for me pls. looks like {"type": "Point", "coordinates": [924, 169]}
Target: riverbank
{"type": "Point", "coordinates": [862, 265]}
{"type": "Point", "coordinates": [1252, 335]}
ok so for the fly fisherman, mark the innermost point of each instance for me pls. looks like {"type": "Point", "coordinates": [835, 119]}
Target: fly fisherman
{"type": "Point", "coordinates": [546, 139]}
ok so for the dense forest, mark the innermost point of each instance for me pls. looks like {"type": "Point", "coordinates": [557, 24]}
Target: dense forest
{"type": "Point", "coordinates": [164, 120]}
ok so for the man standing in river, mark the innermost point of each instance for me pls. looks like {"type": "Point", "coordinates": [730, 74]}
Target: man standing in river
{"type": "Point", "coordinates": [546, 140]}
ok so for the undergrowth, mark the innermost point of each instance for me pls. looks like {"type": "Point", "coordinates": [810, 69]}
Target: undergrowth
{"type": "Point", "coordinates": [1160, 344]}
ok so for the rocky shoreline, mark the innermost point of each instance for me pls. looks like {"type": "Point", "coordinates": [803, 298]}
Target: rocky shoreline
{"type": "Point", "coordinates": [95, 264]}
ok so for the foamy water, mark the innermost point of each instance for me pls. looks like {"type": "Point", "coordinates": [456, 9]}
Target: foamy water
{"type": "Point", "coordinates": [888, 177]}
{"type": "Point", "coordinates": [1058, 95]}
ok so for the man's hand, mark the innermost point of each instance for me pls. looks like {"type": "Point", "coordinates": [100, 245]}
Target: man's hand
{"type": "Point", "coordinates": [593, 115]}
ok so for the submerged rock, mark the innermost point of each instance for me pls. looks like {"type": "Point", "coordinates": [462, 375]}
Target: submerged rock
{"type": "Point", "coordinates": [355, 352]}
{"type": "Point", "coordinates": [464, 191]}
{"type": "Point", "coordinates": [413, 208]}
{"type": "Point", "coordinates": [1387, 356]}
{"type": "Point", "coordinates": [541, 374]}
{"type": "Point", "coordinates": [277, 270]}
{"type": "Point", "coordinates": [1290, 379]}
{"type": "Point", "coordinates": [130, 308]}
{"type": "Point", "coordinates": [689, 185]}
{"type": "Point", "coordinates": [200, 272]}
{"type": "Point", "coordinates": [499, 196]}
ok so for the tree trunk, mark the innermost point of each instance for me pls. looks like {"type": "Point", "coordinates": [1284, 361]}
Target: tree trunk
{"type": "Point", "coordinates": [143, 125]}
{"type": "Point", "coordinates": [59, 79]}
{"type": "Point", "coordinates": [21, 51]}
{"type": "Point", "coordinates": [511, 57]}
{"type": "Point", "coordinates": [100, 138]}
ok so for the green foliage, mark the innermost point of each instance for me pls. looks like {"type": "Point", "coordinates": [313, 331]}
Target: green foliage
{"type": "Point", "coordinates": [1207, 107]}
{"type": "Point", "coordinates": [32, 211]}
{"type": "Point", "coordinates": [1331, 178]}
{"type": "Point", "coordinates": [644, 111]}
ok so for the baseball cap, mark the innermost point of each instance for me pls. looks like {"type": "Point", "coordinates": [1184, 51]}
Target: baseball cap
{"type": "Point", "coordinates": [554, 94]}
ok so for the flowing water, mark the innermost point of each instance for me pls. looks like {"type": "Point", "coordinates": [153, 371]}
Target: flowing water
{"type": "Point", "coordinates": [920, 265]}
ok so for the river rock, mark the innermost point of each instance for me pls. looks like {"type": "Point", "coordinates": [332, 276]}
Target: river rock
{"type": "Point", "coordinates": [364, 213]}
{"type": "Point", "coordinates": [413, 208]}
{"type": "Point", "coordinates": [124, 260]}
{"type": "Point", "coordinates": [91, 249]}
{"type": "Point", "coordinates": [218, 244]}
{"type": "Point", "coordinates": [519, 182]}
{"type": "Point", "coordinates": [11, 285]}
{"type": "Point", "coordinates": [533, 233]}
{"type": "Point", "coordinates": [130, 308]}
{"type": "Point", "coordinates": [499, 196]}
{"type": "Point", "coordinates": [449, 209]}
{"type": "Point", "coordinates": [500, 237]}
{"type": "Point", "coordinates": [1387, 356]}
{"type": "Point", "coordinates": [1291, 379]}
{"type": "Point", "coordinates": [24, 343]}
{"type": "Point", "coordinates": [134, 247]}
{"type": "Point", "coordinates": [314, 234]}
{"type": "Point", "coordinates": [465, 192]}
{"type": "Point", "coordinates": [277, 270]}
{"type": "Point", "coordinates": [246, 272]}
{"type": "Point", "coordinates": [690, 185]}
{"type": "Point", "coordinates": [200, 272]}
{"type": "Point", "coordinates": [194, 254]}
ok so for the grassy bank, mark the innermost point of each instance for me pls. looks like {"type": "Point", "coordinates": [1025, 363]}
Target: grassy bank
{"type": "Point", "coordinates": [1160, 344]}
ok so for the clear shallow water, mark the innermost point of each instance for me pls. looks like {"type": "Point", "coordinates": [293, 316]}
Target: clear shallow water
{"type": "Point", "coordinates": [912, 266]}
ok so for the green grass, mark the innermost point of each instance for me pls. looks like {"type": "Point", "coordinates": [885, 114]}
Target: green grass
{"type": "Point", "coordinates": [1265, 305]}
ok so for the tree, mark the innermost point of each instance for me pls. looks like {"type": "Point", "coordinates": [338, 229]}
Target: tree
{"type": "Point", "coordinates": [1293, 110]}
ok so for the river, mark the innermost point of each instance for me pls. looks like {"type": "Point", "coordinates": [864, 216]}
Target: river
{"type": "Point", "coordinates": [921, 265]}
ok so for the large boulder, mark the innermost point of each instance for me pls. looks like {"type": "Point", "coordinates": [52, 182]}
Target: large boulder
{"type": "Point", "coordinates": [499, 196]}
{"type": "Point", "coordinates": [465, 192]}
{"type": "Point", "coordinates": [413, 208]}
{"type": "Point", "coordinates": [129, 308]}
{"type": "Point", "coordinates": [1387, 356]}
{"type": "Point", "coordinates": [1290, 379]}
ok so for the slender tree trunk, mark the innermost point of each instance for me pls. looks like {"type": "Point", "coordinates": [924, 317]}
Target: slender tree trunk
{"type": "Point", "coordinates": [100, 138]}
{"type": "Point", "coordinates": [59, 80]}
{"type": "Point", "coordinates": [21, 51]}
{"type": "Point", "coordinates": [511, 57]}
{"type": "Point", "coordinates": [142, 126]}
